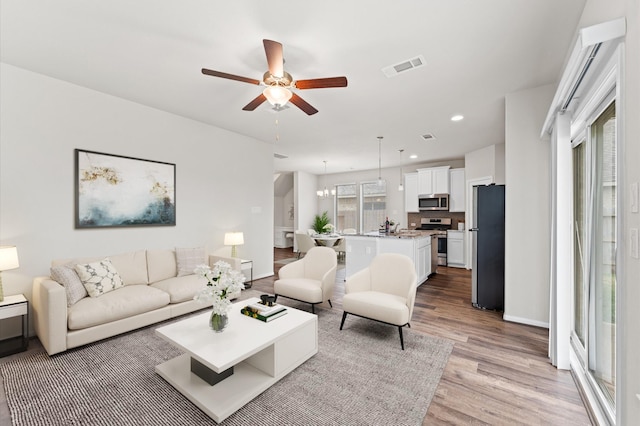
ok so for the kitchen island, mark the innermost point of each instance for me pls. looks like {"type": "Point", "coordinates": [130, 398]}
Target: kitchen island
{"type": "Point", "coordinates": [417, 245]}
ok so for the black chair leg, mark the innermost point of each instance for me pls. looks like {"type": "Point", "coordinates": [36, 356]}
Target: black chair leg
{"type": "Point", "coordinates": [344, 317]}
{"type": "Point", "coordinates": [329, 300]}
{"type": "Point", "coordinates": [401, 339]}
{"type": "Point", "coordinates": [276, 299]}
{"type": "Point", "coordinates": [313, 308]}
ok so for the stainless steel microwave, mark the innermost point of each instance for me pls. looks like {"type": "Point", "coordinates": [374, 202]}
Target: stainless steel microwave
{"type": "Point", "coordinates": [433, 202]}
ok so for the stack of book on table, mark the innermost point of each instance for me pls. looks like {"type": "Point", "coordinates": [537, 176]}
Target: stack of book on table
{"type": "Point", "coordinates": [263, 312]}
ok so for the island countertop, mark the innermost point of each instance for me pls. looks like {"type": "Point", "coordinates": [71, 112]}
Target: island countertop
{"type": "Point", "coordinates": [405, 234]}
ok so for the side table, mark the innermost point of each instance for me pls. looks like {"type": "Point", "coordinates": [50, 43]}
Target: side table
{"type": "Point", "coordinates": [12, 306]}
{"type": "Point", "coordinates": [244, 266]}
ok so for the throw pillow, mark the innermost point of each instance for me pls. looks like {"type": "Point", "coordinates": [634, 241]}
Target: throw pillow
{"type": "Point", "coordinates": [99, 277]}
{"type": "Point", "coordinates": [67, 276]}
{"type": "Point", "coordinates": [189, 258]}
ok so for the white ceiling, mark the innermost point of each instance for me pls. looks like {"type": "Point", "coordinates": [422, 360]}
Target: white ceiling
{"type": "Point", "coordinates": [152, 51]}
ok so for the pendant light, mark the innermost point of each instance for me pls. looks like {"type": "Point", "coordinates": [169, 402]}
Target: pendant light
{"type": "Point", "coordinates": [324, 193]}
{"type": "Point", "coordinates": [380, 161]}
{"type": "Point", "coordinates": [401, 186]}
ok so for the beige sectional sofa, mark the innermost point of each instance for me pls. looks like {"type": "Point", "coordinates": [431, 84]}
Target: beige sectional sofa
{"type": "Point", "coordinates": [155, 289]}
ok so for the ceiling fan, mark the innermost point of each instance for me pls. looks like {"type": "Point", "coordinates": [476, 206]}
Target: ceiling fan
{"type": "Point", "coordinates": [279, 82]}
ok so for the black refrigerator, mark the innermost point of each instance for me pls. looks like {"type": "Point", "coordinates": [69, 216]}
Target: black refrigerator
{"type": "Point", "coordinates": [488, 247]}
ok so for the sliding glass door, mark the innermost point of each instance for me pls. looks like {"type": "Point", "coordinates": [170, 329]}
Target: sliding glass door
{"type": "Point", "coordinates": [596, 221]}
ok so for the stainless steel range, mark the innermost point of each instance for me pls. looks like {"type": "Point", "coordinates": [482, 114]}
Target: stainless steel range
{"type": "Point", "coordinates": [438, 224]}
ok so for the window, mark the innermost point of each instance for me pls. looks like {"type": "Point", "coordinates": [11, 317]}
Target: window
{"type": "Point", "coordinates": [602, 283]}
{"type": "Point", "coordinates": [374, 206]}
{"type": "Point", "coordinates": [346, 206]}
{"type": "Point", "coordinates": [596, 221]}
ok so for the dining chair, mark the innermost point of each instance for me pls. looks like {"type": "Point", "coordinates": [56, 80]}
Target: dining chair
{"type": "Point", "coordinates": [349, 231]}
{"type": "Point", "coordinates": [304, 242]}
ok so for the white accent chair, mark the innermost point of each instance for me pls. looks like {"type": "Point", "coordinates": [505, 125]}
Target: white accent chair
{"type": "Point", "coordinates": [304, 242]}
{"type": "Point", "coordinates": [385, 291]}
{"type": "Point", "coordinates": [349, 231]}
{"type": "Point", "coordinates": [310, 279]}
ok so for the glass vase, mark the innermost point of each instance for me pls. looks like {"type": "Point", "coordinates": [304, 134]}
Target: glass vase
{"type": "Point", "coordinates": [218, 322]}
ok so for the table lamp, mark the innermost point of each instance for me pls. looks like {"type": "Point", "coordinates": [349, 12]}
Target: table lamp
{"type": "Point", "coordinates": [8, 260]}
{"type": "Point", "coordinates": [233, 239]}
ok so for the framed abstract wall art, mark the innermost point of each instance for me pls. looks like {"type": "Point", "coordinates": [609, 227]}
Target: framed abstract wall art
{"type": "Point", "coordinates": [116, 191]}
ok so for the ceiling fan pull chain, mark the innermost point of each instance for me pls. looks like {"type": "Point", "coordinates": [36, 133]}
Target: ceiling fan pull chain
{"type": "Point", "coordinates": [277, 132]}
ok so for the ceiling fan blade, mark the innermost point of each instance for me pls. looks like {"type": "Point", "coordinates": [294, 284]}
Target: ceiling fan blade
{"type": "Point", "coordinates": [230, 76]}
{"type": "Point", "coordinates": [302, 104]}
{"type": "Point", "coordinates": [273, 49]}
{"type": "Point", "coordinates": [255, 103]}
{"type": "Point", "coordinates": [321, 83]}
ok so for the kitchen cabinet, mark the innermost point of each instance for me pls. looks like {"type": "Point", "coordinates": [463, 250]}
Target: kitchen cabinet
{"type": "Point", "coordinates": [411, 193]}
{"type": "Point", "coordinates": [423, 258]}
{"type": "Point", "coordinates": [457, 188]}
{"type": "Point", "coordinates": [455, 249]}
{"type": "Point", "coordinates": [361, 249]}
{"type": "Point", "coordinates": [433, 180]}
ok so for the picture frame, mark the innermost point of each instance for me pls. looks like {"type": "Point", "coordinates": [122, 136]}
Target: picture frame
{"type": "Point", "coordinates": [118, 191]}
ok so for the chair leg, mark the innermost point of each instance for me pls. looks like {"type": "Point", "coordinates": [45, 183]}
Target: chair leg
{"type": "Point", "coordinates": [329, 300]}
{"type": "Point", "coordinates": [313, 308]}
{"type": "Point", "coordinates": [401, 339]}
{"type": "Point", "coordinates": [344, 317]}
{"type": "Point", "coordinates": [276, 299]}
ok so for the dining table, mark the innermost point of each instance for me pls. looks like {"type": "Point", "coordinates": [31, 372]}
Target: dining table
{"type": "Point", "coordinates": [327, 240]}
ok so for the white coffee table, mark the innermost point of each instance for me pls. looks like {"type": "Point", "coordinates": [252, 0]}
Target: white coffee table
{"type": "Point", "coordinates": [246, 358]}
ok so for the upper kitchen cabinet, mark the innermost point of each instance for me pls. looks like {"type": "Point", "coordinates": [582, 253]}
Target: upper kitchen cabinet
{"type": "Point", "coordinates": [411, 193]}
{"type": "Point", "coordinates": [457, 187]}
{"type": "Point", "coordinates": [434, 180]}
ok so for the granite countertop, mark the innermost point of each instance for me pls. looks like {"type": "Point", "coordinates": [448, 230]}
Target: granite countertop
{"type": "Point", "coordinates": [415, 233]}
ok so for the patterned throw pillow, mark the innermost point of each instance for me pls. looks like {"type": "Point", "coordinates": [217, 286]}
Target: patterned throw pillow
{"type": "Point", "coordinates": [188, 258]}
{"type": "Point", "coordinates": [67, 276]}
{"type": "Point", "coordinates": [99, 277]}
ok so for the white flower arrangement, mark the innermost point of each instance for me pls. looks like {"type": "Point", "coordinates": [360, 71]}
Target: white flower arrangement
{"type": "Point", "coordinates": [222, 281]}
{"type": "Point", "coordinates": [328, 227]}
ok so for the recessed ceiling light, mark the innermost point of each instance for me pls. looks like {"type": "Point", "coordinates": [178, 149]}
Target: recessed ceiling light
{"type": "Point", "coordinates": [413, 156]}
{"type": "Point", "coordinates": [457, 117]}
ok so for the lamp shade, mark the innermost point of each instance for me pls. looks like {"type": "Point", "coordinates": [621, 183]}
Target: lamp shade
{"type": "Point", "coordinates": [233, 239]}
{"type": "Point", "coordinates": [8, 258]}
{"type": "Point", "coordinates": [277, 95]}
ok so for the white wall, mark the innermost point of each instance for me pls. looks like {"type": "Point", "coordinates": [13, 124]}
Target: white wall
{"type": "Point", "coordinates": [43, 120]}
{"type": "Point", "coordinates": [527, 207]}
{"type": "Point", "coordinates": [305, 199]}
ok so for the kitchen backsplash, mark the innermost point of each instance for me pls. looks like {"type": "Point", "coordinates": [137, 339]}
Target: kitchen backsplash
{"type": "Point", "coordinates": [415, 218]}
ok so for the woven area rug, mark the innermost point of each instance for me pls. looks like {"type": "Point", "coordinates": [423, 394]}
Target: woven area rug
{"type": "Point", "coordinates": [359, 376]}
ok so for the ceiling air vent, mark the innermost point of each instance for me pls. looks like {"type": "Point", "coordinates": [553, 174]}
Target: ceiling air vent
{"type": "Point", "coordinates": [428, 136]}
{"type": "Point", "coordinates": [408, 65]}
{"type": "Point", "coordinates": [279, 156]}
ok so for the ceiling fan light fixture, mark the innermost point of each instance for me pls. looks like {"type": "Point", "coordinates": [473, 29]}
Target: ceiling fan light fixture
{"type": "Point", "coordinates": [277, 95]}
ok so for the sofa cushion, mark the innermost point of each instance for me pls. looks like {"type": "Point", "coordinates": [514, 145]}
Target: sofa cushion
{"type": "Point", "coordinates": [68, 277]}
{"type": "Point", "coordinates": [161, 264]}
{"type": "Point", "coordinates": [122, 303]}
{"type": "Point", "coordinates": [99, 277]}
{"type": "Point", "coordinates": [189, 258]}
{"type": "Point", "coordinates": [132, 267]}
{"type": "Point", "coordinates": [181, 289]}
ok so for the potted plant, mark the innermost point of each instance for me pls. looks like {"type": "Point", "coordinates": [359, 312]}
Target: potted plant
{"type": "Point", "coordinates": [321, 222]}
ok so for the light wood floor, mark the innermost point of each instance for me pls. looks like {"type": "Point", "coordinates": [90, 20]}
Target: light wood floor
{"type": "Point", "coordinates": [498, 373]}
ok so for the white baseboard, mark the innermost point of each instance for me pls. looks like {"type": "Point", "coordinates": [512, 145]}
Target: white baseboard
{"type": "Point", "coordinates": [526, 321]}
